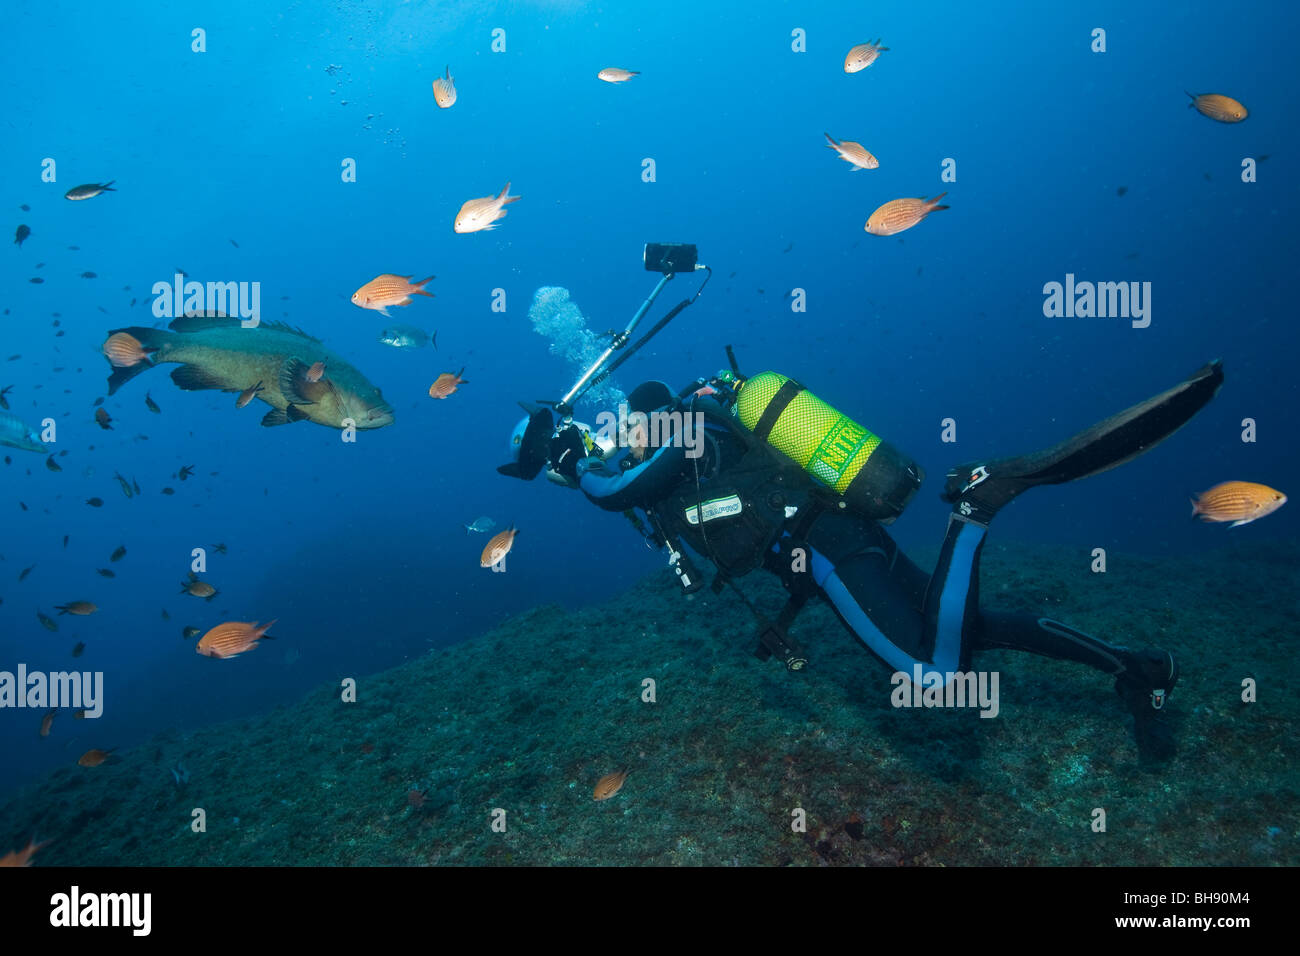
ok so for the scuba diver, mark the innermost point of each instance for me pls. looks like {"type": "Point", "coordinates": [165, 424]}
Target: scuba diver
{"type": "Point", "coordinates": [757, 472]}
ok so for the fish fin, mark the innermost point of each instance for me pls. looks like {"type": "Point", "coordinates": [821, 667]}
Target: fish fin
{"type": "Point", "coordinates": [933, 202]}
{"type": "Point", "coordinates": [192, 378]}
{"type": "Point", "coordinates": [121, 376]}
{"type": "Point", "coordinates": [198, 322]}
{"type": "Point", "coordinates": [293, 371]}
{"type": "Point", "coordinates": [295, 414]}
{"type": "Point", "coordinates": [274, 417]}
{"type": "Point", "coordinates": [417, 288]}
{"type": "Point", "coordinates": [1242, 521]}
{"type": "Point", "coordinates": [1196, 505]}
{"type": "Point", "coordinates": [108, 186]}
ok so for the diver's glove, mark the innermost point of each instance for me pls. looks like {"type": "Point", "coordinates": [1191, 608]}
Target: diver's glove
{"type": "Point", "coordinates": [1145, 686]}
{"type": "Point", "coordinates": [567, 449]}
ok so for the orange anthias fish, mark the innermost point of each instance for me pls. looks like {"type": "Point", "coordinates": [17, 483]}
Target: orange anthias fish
{"type": "Point", "coordinates": [124, 350]}
{"type": "Point", "coordinates": [233, 638]}
{"type": "Point", "coordinates": [315, 373]}
{"type": "Point", "coordinates": [898, 215]}
{"type": "Point", "coordinates": [46, 722]}
{"type": "Point", "coordinates": [609, 785]}
{"type": "Point", "coordinates": [389, 290]}
{"type": "Point", "coordinates": [446, 383]}
{"type": "Point", "coordinates": [480, 214]}
{"type": "Point", "coordinates": [93, 758]}
{"type": "Point", "coordinates": [862, 56]}
{"type": "Point", "coordinates": [1218, 107]}
{"type": "Point", "coordinates": [612, 74]}
{"type": "Point", "coordinates": [24, 856]}
{"type": "Point", "coordinates": [81, 608]}
{"type": "Point", "coordinates": [1240, 502]}
{"type": "Point", "coordinates": [444, 90]}
{"type": "Point", "coordinates": [853, 153]}
{"type": "Point", "coordinates": [496, 550]}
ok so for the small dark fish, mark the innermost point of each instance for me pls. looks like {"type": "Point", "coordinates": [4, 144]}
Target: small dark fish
{"type": "Point", "coordinates": [105, 573]}
{"type": "Point", "coordinates": [75, 248]}
{"type": "Point", "coordinates": [185, 472]}
{"type": "Point", "coordinates": [36, 280]}
{"type": "Point", "coordinates": [150, 404]}
{"type": "Point", "coordinates": [89, 275]}
{"type": "Point", "coordinates": [169, 491]}
{"type": "Point", "coordinates": [22, 575]}
{"type": "Point", "coordinates": [21, 233]}
{"type": "Point", "coordinates": [1121, 191]}
{"type": "Point", "coordinates": [15, 358]}
{"type": "Point", "coordinates": [219, 549]}
{"type": "Point", "coordinates": [189, 633]}
{"type": "Point", "coordinates": [102, 309]}
{"type": "Point", "coordinates": [81, 646]}
{"type": "Point", "coordinates": [788, 248]}
{"type": "Point", "coordinates": [22, 505]}
{"type": "Point", "coordinates": [165, 615]}
{"type": "Point", "coordinates": [97, 402]}
{"type": "Point", "coordinates": [135, 486]}
{"type": "Point", "coordinates": [25, 208]}
{"type": "Point", "coordinates": [124, 485]}
{"type": "Point", "coordinates": [4, 402]}
{"type": "Point", "coordinates": [102, 419]}
{"type": "Point", "coordinates": [233, 243]}
{"type": "Point", "coordinates": [133, 301]}
{"type": "Point", "coordinates": [95, 502]}
{"type": "Point", "coordinates": [119, 554]}
{"type": "Point", "coordinates": [47, 622]}
{"type": "Point", "coordinates": [89, 190]}
{"type": "Point", "coordinates": [51, 464]}
{"type": "Point", "coordinates": [40, 265]}
{"type": "Point", "coordinates": [183, 273]}
{"type": "Point", "coordinates": [65, 542]}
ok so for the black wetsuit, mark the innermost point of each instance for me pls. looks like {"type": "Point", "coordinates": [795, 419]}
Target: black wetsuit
{"type": "Point", "coordinates": [759, 509]}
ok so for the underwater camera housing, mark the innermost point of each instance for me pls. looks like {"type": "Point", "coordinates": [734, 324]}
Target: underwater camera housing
{"type": "Point", "coordinates": [670, 257]}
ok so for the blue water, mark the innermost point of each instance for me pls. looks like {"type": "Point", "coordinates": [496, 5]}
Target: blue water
{"type": "Point", "coordinates": [359, 549]}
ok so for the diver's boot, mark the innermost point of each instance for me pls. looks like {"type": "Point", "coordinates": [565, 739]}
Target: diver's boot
{"type": "Point", "coordinates": [1145, 685]}
{"type": "Point", "coordinates": [979, 488]}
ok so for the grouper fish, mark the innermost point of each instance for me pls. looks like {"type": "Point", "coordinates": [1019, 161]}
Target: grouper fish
{"type": "Point", "coordinates": [215, 351]}
{"type": "Point", "coordinates": [15, 433]}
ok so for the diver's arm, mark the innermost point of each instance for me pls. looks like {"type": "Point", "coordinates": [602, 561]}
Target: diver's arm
{"type": "Point", "coordinates": [617, 490]}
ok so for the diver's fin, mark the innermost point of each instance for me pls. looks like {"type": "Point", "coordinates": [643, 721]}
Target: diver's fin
{"type": "Point", "coordinates": [192, 378]}
{"type": "Point", "coordinates": [294, 413]}
{"type": "Point", "coordinates": [981, 488]}
{"type": "Point", "coordinates": [275, 417]}
{"type": "Point", "coordinates": [293, 371]}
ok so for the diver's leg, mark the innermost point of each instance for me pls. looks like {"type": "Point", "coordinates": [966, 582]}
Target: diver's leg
{"type": "Point", "coordinates": [881, 595]}
{"type": "Point", "coordinates": [1144, 678]}
{"type": "Point", "coordinates": [980, 488]}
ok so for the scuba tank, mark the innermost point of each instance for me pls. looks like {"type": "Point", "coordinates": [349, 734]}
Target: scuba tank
{"type": "Point", "coordinates": [871, 476]}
